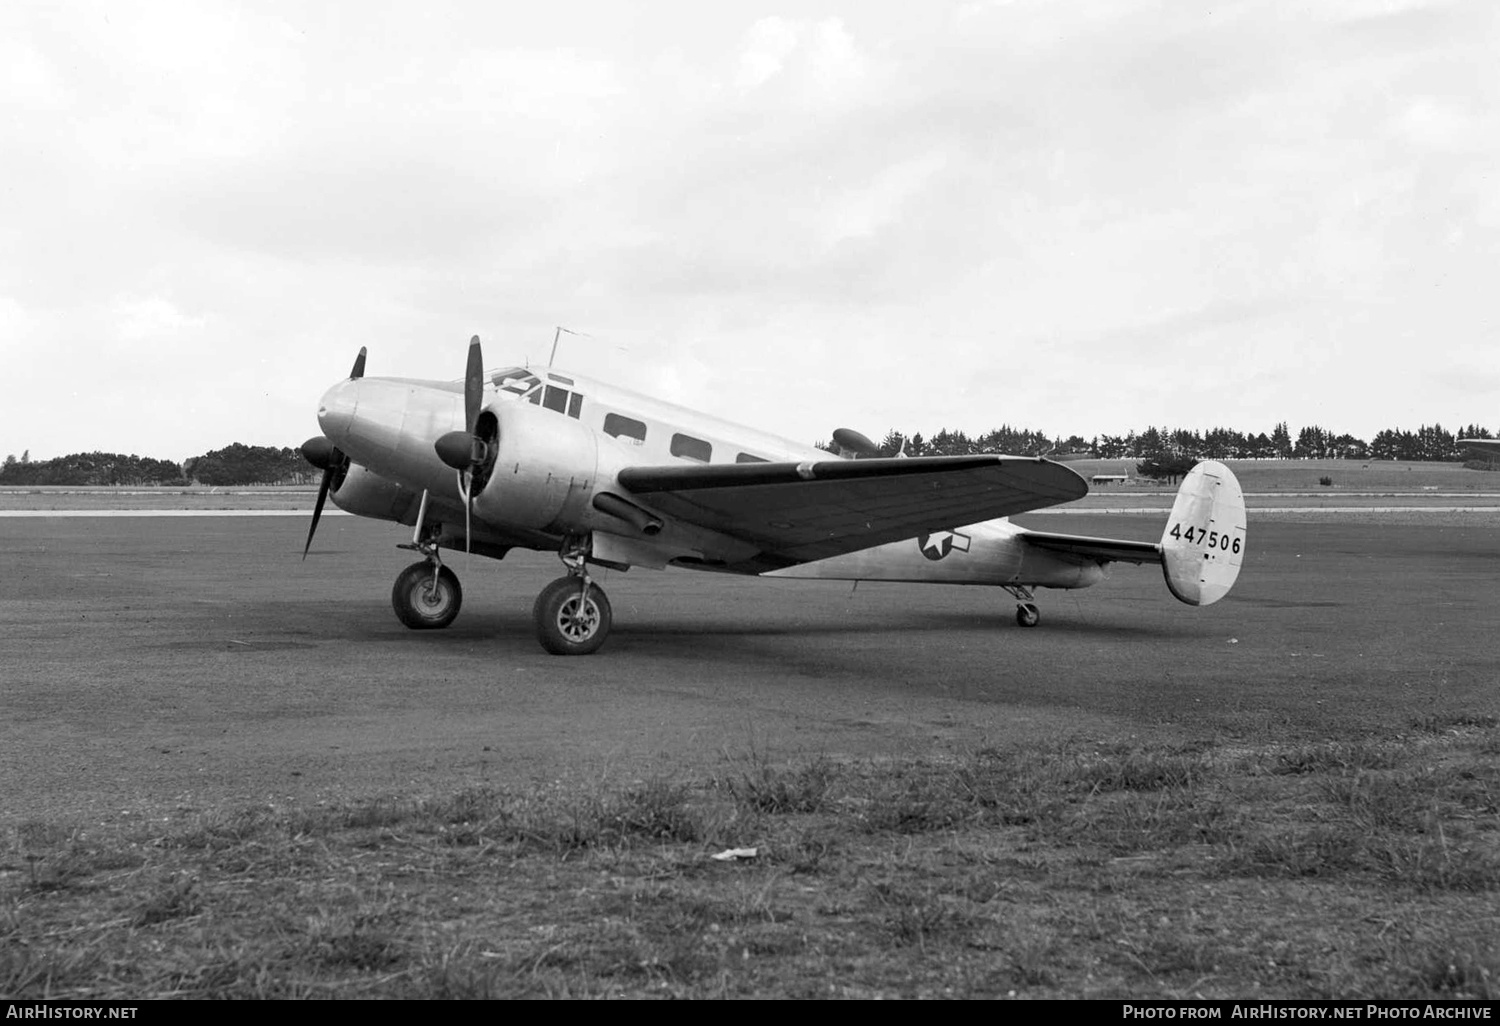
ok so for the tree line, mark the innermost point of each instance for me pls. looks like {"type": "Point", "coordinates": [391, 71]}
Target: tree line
{"type": "Point", "coordinates": [236, 464]}
{"type": "Point", "coordinates": [241, 464]}
{"type": "Point", "coordinates": [1434, 443]}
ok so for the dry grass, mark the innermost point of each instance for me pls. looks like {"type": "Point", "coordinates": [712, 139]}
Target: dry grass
{"type": "Point", "coordinates": [1364, 866]}
{"type": "Point", "coordinates": [1306, 476]}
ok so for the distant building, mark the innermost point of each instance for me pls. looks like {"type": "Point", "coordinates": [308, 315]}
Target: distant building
{"type": "Point", "coordinates": [1106, 479]}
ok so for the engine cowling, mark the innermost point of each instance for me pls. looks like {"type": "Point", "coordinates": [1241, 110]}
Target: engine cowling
{"type": "Point", "coordinates": [545, 470]}
{"type": "Point", "coordinates": [365, 493]}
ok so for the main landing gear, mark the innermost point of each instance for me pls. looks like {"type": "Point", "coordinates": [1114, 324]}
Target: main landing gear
{"type": "Point", "coordinates": [572, 614]}
{"type": "Point", "coordinates": [1027, 614]}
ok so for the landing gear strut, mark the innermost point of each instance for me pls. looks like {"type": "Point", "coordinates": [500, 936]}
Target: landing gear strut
{"type": "Point", "coordinates": [572, 614]}
{"type": "Point", "coordinates": [1027, 614]}
{"type": "Point", "coordinates": [426, 595]}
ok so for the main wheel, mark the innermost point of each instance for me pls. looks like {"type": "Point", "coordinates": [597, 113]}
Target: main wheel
{"type": "Point", "coordinates": [1028, 615]}
{"type": "Point", "coordinates": [565, 626]}
{"type": "Point", "coordinates": [425, 603]}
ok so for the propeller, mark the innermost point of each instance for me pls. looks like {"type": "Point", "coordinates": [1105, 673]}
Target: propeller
{"type": "Point", "coordinates": [463, 450]}
{"type": "Point", "coordinates": [324, 455]}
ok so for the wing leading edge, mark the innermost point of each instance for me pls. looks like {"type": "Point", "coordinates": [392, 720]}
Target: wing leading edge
{"type": "Point", "coordinates": [816, 509]}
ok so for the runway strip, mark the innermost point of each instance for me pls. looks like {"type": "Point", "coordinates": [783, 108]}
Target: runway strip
{"type": "Point", "coordinates": [1087, 511]}
{"type": "Point", "coordinates": [167, 513]}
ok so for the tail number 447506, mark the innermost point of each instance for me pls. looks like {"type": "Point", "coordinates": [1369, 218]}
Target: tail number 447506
{"type": "Point", "coordinates": [1203, 536]}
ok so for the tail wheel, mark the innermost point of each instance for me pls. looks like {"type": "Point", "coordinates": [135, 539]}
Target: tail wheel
{"type": "Point", "coordinates": [424, 601]}
{"type": "Point", "coordinates": [1028, 615]}
{"type": "Point", "coordinates": [568, 622]}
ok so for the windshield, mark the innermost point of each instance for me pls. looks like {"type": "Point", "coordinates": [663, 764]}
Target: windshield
{"type": "Point", "coordinates": [518, 381]}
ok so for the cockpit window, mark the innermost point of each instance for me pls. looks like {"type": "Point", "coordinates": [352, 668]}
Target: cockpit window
{"type": "Point", "coordinates": [517, 381]}
{"type": "Point", "coordinates": [555, 399]}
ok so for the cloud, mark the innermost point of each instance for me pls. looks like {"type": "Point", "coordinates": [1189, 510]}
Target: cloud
{"type": "Point", "coordinates": [775, 215]}
{"type": "Point", "coordinates": [150, 319]}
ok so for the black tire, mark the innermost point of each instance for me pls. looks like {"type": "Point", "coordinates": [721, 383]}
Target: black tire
{"type": "Point", "coordinates": [1027, 615]}
{"type": "Point", "coordinates": [425, 604]}
{"type": "Point", "coordinates": [560, 628]}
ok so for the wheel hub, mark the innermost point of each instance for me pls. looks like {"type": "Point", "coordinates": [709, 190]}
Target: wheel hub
{"type": "Point", "coordinates": [576, 624]}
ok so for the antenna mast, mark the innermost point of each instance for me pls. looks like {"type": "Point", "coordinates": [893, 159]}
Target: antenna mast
{"type": "Point", "coordinates": [557, 335]}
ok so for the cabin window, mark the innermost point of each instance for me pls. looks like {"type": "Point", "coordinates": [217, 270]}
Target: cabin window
{"type": "Point", "coordinates": [745, 457]}
{"type": "Point", "coordinates": [575, 405]}
{"type": "Point", "coordinates": [617, 426]}
{"type": "Point", "coordinates": [556, 399]}
{"type": "Point", "coordinates": [691, 448]}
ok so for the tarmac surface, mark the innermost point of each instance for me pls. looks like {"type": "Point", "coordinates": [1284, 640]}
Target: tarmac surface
{"type": "Point", "coordinates": [151, 667]}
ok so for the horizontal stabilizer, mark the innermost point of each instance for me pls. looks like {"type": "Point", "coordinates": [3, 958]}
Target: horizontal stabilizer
{"type": "Point", "coordinates": [1106, 550]}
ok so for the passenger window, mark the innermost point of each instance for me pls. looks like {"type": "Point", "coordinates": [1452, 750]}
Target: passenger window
{"type": "Point", "coordinates": [745, 457]}
{"type": "Point", "coordinates": [556, 399]}
{"type": "Point", "coordinates": [692, 448]}
{"type": "Point", "coordinates": [617, 426]}
{"type": "Point", "coordinates": [575, 405]}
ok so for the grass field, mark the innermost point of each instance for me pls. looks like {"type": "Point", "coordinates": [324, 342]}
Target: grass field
{"type": "Point", "coordinates": [1307, 475]}
{"type": "Point", "coordinates": [1362, 867]}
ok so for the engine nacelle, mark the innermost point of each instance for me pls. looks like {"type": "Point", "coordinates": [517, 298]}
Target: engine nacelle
{"type": "Point", "coordinates": [365, 493]}
{"type": "Point", "coordinates": [544, 473]}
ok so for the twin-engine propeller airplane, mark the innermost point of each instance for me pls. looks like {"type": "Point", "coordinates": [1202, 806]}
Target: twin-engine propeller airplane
{"type": "Point", "coordinates": [605, 477]}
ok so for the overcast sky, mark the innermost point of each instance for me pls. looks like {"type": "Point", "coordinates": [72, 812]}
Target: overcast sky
{"type": "Point", "coordinates": [1083, 216]}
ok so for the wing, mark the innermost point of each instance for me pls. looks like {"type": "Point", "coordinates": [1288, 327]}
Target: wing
{"type": "Point", "coordinates": [795, 512]}
{"type": "Point", "coordinates": [1106, 550]}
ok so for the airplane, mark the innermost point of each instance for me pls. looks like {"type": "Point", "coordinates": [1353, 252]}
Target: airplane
{"type": "Point", "coordinates": [552, 461]}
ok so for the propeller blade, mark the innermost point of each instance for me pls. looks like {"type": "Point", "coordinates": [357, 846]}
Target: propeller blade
{"type": "Point", "coordinates": [473, 385]}
{"type": "Point", "coordinates": [328, 473]}
{"type": "Point", "coordinates": [359, 365]}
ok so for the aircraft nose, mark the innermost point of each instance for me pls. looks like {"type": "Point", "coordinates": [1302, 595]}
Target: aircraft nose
{"type": "Point", "coordinates": [336, 411]}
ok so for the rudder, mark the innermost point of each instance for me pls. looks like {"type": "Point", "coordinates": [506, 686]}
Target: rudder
{"type": "Point", "coordinates": [1204, 542]}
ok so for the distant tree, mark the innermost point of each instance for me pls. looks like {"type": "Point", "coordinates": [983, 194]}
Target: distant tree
{"type": "Point", "coordinates": [1281, 441]}
{"type": "Point", "coordinates": [241, 464]}
{"type": "Point", "coordinates": [1169, 467]}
